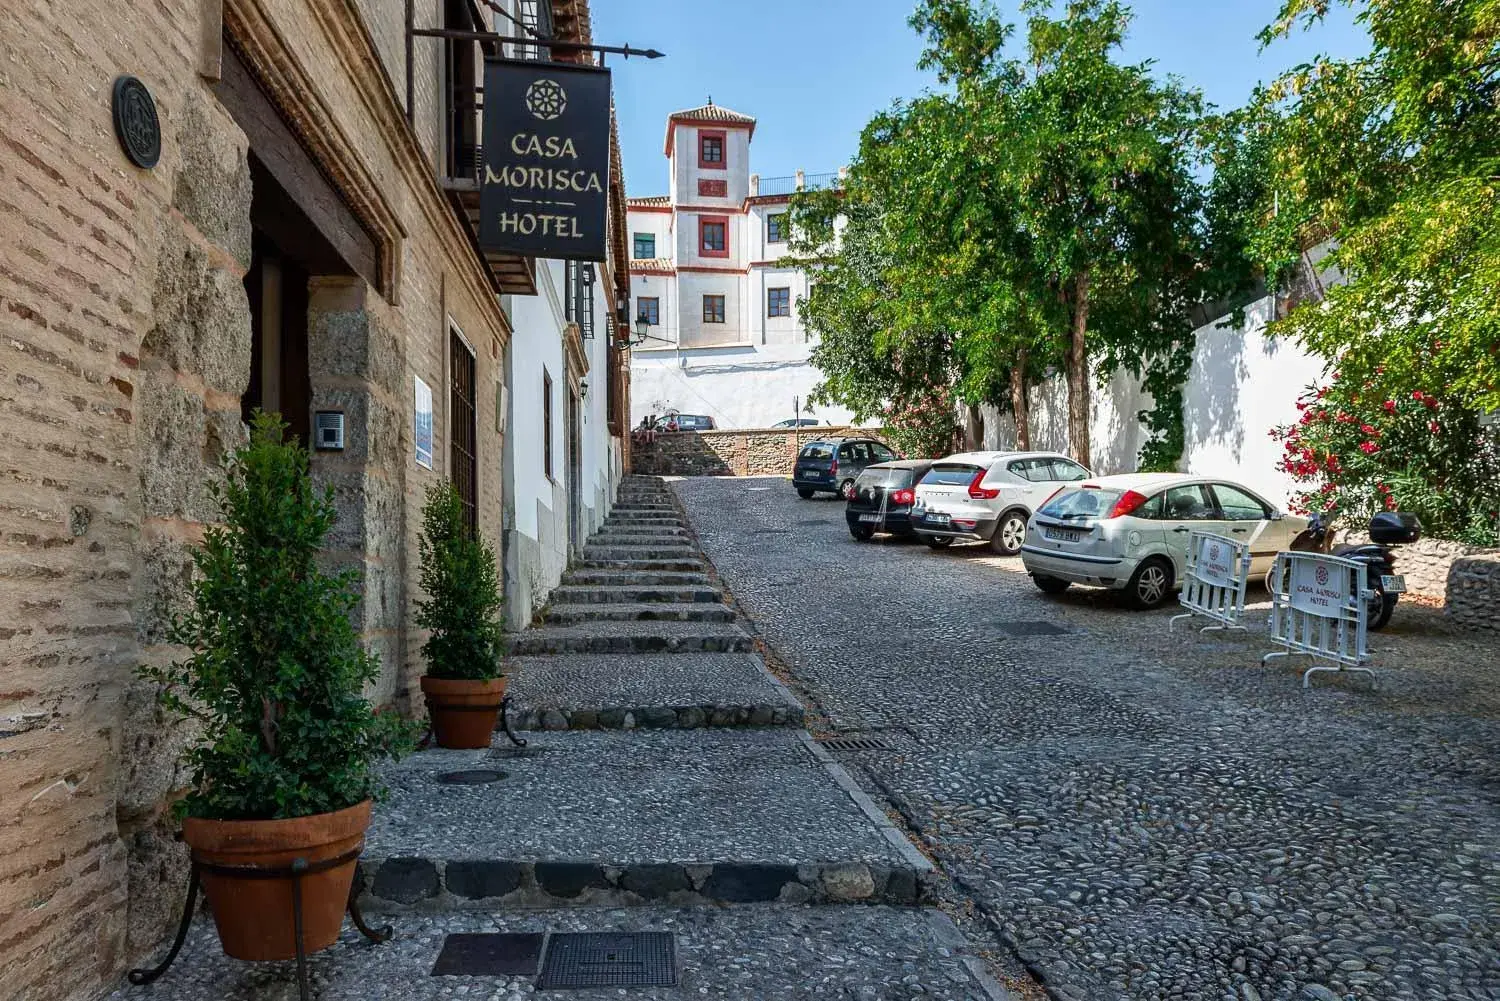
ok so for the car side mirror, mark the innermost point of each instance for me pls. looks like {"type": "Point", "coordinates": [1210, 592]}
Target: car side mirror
{"type": "Point", "coordinates": [1277, 515]}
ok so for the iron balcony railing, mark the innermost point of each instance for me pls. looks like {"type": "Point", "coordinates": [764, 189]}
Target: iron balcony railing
{"type": "Point", "coordinates": [788, 185]}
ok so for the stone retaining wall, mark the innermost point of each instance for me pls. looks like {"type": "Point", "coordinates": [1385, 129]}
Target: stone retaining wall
{"type": "Point", "coordinates": [756, 452]}
{"type": "Point", "coordinates": [1474, 591]}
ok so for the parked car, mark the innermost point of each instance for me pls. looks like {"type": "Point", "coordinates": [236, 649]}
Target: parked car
{"type": "Point", "coordinates": [830, 465]}
{"type": "Point", "coordinates": [883, 496]}
{"type": "Point", "coordinates": [988, 496]}
{"type": "Point", "coordinates": [673, 421]}
{"type": "Point", "coordinates": [1130, 532]}
{"type": "Point", "coordinates": [795, 422]}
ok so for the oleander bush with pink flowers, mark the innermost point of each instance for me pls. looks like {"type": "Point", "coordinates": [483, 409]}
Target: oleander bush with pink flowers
{"type": "Point", "coordinates": [1367, 447]}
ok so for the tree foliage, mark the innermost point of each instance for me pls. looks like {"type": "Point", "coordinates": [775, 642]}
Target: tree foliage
{"type": "Point", "coordinates": [462, 584]}
{"type": "Point", "coordinates": [1395, 156]}
{"type": "Point", "coordinates": [277, 671]}
{"type": "Point", "coordinates": [1037, 212]}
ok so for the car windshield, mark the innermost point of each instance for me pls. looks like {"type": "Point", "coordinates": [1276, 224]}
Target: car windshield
{"type": "Point", "coordinates": [818, 451]}
{"type": "Point", "coordinates": [950, 475]}
{"type": "Point", "coordinates": [700, 423]}
{"type": "Point", "coordinates": [1081, 504]}
{"type": "Point", "coordinates": [877, 477]}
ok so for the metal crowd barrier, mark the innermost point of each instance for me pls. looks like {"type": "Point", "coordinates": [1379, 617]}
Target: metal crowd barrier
{"type": "Point", "coordinates": [1320, 608]}
{"type": "Point", "coordinates": [1218, 570]}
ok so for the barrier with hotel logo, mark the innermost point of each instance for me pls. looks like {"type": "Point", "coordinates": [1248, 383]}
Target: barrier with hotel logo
{"type": "Point", "coordinates": [1320, 609]}
{"type": "Point", "coordinates": [1218, 570]}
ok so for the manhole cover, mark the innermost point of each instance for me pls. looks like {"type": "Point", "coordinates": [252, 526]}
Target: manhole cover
{"type": "Point", "coordinates": [593, 959]}
{"type": "Point", "coordinates": [489, 955]}
{"type": "Point", "coordinates": [471, 777]}
{"type": "Point", "coordinates": [857, 742]}
{"type": "Point", "coordinates": [1031, 627]}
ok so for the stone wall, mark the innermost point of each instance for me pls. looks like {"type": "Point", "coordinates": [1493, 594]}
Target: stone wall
{"type": "Point", "coordinates": [1474, 591]}
{"type": "Point", "coordinates": [768, 452]}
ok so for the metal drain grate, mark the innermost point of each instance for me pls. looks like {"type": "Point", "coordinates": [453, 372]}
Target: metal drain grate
{"type": "Point", "coordinates": [594, 959]}
{"type": "Point", "coordinates": [489, 955]}
{"type": "Point", "coordinates": [1031, 627]}
{"type": "Point", "coordinates": [857, 742]}
{"type": "Point", "coordinates": [471, 777]}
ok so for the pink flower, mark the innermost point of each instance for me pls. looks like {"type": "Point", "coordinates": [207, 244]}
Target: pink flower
{"type": "Point", "coordinates": [1368, 429]}
{"type": "Point", "coordinates": [1390, 502]}
{"type": "Point", "coordinates": [1369, 447]}
{"type": "Point", "coordinates": [1432, 426]}
{"type": "Point", "coordinates": [1390, 406]}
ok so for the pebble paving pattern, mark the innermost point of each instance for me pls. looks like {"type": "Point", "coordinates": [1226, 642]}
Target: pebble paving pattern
{"type": "Point", "coordinates": [742, 953]}
{"type": "Point", "coordinates": [1146, 816]}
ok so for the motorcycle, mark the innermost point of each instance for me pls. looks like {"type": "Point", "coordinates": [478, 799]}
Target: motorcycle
{"type": "Point", "coordinates": [1387, 529]}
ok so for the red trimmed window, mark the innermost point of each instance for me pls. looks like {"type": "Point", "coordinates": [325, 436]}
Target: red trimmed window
{"type": "Point", "coordinates": [713, 235]}
{"type": "Point", "coordinates": [712, 144]}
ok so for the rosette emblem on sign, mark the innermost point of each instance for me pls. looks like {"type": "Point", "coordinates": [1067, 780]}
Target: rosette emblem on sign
{"type": "Point", "coordinates": [546, 100]}
{"type": "Point", "coordinates": [1322, 575]}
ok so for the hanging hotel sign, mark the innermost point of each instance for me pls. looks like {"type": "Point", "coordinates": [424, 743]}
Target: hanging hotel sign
{"type": "Point", "coordinates": [544, 181]}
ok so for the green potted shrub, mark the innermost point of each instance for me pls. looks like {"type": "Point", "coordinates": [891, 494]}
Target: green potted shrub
{"type": "Point", "coordinates": [463, 686]}
{"type": "Point", "coordinates": [284, 768]}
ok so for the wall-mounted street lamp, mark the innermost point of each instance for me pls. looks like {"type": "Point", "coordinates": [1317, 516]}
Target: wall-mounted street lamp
{"type": "Point", "coordinates": [583, 389]}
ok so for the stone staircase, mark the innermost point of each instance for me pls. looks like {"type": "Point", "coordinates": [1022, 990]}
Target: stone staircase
{"type": "Point", "coordinates": [639, 635]}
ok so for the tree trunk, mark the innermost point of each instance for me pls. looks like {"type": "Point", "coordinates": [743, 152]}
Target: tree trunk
{"type": "Point", "coordinates": [973, 428]}
{"type": "Point", "coordinates": [1020, 406]}
{"type": "Point", "coordinates": [1078, 374]}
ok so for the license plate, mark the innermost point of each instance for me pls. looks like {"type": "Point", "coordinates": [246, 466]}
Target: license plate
{"type": "Point", "coordinates": [812, 474]}
{"type": "Point", "coordinates": [938, 519]}
{"type": "Point", "coordinates": [1062, 534]}
{"type": "Point", "coordinates": [1393, 584]}
{"type": "Point", "coordinates": [869, 517]}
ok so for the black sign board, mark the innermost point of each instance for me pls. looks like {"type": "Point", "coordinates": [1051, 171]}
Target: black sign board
{"type": "Point", "coordinates": [545, 179]}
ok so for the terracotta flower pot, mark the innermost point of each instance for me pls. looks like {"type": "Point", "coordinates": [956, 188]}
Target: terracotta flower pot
{"type": "Point", "coordinates": [254, 915]}
{"type": "Point", "coordinates": [463, 712]}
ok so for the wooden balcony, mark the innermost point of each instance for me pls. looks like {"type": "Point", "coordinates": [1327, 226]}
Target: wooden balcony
{"type": "Point", "coordinates": [511, 274]}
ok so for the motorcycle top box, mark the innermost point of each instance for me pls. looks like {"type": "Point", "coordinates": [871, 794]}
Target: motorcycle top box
{"type": "Point", "coordinates": [1391, 528]}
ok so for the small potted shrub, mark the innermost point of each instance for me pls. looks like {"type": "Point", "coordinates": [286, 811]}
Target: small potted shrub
{"type": "Point", "coordinates": [284, 768]}
{"type": "Point", "coordinates": [463, 686]}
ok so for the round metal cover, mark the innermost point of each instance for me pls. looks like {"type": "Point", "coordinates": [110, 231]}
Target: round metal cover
{"type": "Point", "coordinates": [471, 777]}
{"type": "Point", "coordinates": [136, 124]}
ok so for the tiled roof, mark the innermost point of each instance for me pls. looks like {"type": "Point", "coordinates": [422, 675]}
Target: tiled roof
{"type": "Point", "coordinates": [650, 200]}
{"type": "Point", "coordinates": [654, 264]}
{"type": "Point", "coordinates": [713, 113]}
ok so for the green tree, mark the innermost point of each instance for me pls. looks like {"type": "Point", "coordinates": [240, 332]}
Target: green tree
{"type": "Point", "coordinates": [462, 584]}
{"type": "Point", "coordinates": [1394, 156]}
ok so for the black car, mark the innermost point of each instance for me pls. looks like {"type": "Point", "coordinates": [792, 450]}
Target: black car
{"type": "Point", "coordinates": [883, 496]}
{"type": "Point", "coordinates": [829, 465]}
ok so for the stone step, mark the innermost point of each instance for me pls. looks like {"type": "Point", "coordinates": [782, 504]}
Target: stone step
{"type": "Point", "coordinates": [615, 691]}
{"type": "Point", "coordinates": [582, 594]}
{"type": "Point", "coordinates": [592, 578]}
{"type": "Point", "coordinates": [611, 818]}
{"type": "Point", "coordinates": [782, 951]}
{"type": "Point", "coordinates": [593, 552]}
{"type": "Point", "coordinates": [645, 524]}
{"type": "Point", "coordinates": [693, 611]}
{"type": "Point", "coordinates": [632, 637]}
{"type": "Point", "coordinates": [646, 566]}
{"type": "Point", "coordinates": [647, 506]}
{"type": "Point", "coordinates": [610, 538]}
{"type": "Point", "coordinates": [644, 528]}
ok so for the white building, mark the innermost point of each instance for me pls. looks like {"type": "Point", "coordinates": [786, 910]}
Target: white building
{"type": "Point", "coordinates": [725, 339]}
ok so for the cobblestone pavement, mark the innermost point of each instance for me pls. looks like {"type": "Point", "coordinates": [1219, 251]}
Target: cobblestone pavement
{"type": "Point", "coordinates": [1146, 815]}
{"type": "Point", "coordinates": [742, 953]}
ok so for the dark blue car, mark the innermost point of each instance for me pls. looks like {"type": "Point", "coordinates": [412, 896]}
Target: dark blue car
{"type": "Point", "coordinates": [883, 496]}
{"type": "Point", "coordinates": [830, 465]}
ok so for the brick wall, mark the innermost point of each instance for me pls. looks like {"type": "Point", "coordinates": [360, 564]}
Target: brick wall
{"type": "Point", "coordinates": [124, 348]}
{"type": "Point", "coordinates": [726, 453]}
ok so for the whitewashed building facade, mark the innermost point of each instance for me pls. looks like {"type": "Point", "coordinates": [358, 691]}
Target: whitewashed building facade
{"type": "Point", "coordinates": [724, 336]}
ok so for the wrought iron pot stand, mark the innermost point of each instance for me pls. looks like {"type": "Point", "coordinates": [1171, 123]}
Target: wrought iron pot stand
{"type": "Point", "coordinates": [296, 871]}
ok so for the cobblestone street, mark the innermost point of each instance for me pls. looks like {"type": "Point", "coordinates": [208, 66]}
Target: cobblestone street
{"type": "Point", "coordinates": [1144, 815]}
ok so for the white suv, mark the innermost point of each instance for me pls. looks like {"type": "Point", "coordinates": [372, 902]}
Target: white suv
{"type": "Point", "coordinates": [988, 496]}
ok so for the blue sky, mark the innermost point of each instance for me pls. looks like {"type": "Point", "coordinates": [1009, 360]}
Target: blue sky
{"type": "Point", "coordinates": [813, 72]}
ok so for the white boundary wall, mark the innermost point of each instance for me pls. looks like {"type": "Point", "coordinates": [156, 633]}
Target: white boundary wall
{"type": "Point", "coordinates": [1241, 385]}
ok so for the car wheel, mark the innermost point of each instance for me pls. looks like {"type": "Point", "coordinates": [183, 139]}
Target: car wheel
{"type": "Point", "coordinates": [1009, 534]}
{"type": "Point", "coordinates": [804, 494]}
{"type": "Point", "coordinates": [1049, 585]}
{"type": "Point", "coordinates": [861, 533]}
{"type": "Point", "coordinates": [846, 490]}
{"type": "Point", "coordinates": [939, 541]}
{"type": "Point", "coordinates": [1150, 585]}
